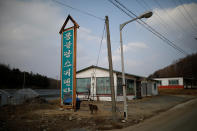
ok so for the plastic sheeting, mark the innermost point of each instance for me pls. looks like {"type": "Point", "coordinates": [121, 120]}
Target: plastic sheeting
{"type": "Point", "coordinates": [22, 95]}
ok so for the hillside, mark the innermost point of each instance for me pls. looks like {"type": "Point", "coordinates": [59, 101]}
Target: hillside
{"type": "Point", "coordinates": [184, 67]}
{"type": "Point", "coordinates": [14, 78]}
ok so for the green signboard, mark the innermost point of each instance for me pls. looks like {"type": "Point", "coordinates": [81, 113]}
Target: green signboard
{"type": "Point", "coordinates": [67, 64]}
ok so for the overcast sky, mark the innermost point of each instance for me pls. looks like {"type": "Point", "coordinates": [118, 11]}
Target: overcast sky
{"type": "Point", "coordinates": [29, 38]}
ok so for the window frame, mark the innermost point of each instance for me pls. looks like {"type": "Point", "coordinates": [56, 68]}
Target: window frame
{"type": "Point", "coordinates": [170, 82]}
{"type": "Point", "coordinates": [119, 85]}
{"type": "Point", "coordinates": [103, 94]}
{"type": "Point", "coordinates": [87, 88]}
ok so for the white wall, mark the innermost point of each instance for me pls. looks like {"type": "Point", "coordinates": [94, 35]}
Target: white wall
{"type": "Point", "coordinates": [155, 91]}
{"type": "Point", "coordinates": [93, 73]}
{"type": "Point", "coordinates": [148, 89]}
{"type": "Point", "coordinates": [164, 81]}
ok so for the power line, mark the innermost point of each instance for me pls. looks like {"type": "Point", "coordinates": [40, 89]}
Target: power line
{"type": "Point", "coordinates": [148, 27]}
{"type": "Point", "coordinates": [171, 18]}
{"type": "Point", "coordinates": [143, 4]}
{"type": "Point", "coordinates": [154, 31]}
{"type": "Point", "coordinates": [163, 23]}
{"type": "Point", "coordinates": [180, 11]}
{"type": "Point", "coordinates": [79, 10]}
{"type": "Point", "coordinates": [94, 70]}
{"type": "Point", "coordinates": [191, 18]}
{"type": "Point", "coordinates": [100, 45]}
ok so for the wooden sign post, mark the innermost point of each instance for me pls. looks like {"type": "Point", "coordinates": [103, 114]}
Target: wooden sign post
{"type": "Point", "coordinates": [68, 64]}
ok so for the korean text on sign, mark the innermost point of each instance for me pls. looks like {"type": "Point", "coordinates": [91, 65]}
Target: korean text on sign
{"type": "Point", "coordinates": [67, 64]}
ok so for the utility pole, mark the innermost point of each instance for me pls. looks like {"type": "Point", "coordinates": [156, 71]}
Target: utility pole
{"type": "Point", "coordinates": [123, 78]}
{"type": "Point", "coordinates": [110, 70]}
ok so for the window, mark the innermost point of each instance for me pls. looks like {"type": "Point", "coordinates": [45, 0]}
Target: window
{"type": "Point", "coordinates": [173, 82]}
{"type": "Point", "coordinates": [159, 82]}
{"type": "Point", "coordinates": [103, 85]}
{"type": "Point", "coordinates": [119, 87]}
{"type": "Point", "coordinates": [129, 86]}
{"type": "Point", "coordinates": [155, 86]}
{"type": "Point", "coordinates": [83, 85]}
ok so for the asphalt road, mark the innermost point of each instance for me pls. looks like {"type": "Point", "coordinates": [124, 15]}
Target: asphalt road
{"type": "Point", "coordinates": [180, 118]}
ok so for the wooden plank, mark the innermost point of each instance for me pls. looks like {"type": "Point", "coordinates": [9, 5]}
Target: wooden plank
{"type": "Point", "coordinates": [74, 68]}
{"type": "Point", "coordinates": [61, 71]}
{"type": "Point", "coordinates": [66, 21]}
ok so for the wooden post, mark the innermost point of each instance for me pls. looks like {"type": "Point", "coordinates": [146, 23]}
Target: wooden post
{"type": "Point", "coordinates": [74, 67]}
{"type": "Point", "coordinates": [111, 70]}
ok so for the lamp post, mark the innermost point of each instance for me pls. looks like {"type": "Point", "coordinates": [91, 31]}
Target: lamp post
{"type": "Point", "coordinates": [145, 15]}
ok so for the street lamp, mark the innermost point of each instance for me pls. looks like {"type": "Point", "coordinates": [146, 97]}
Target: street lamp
{"type": "Point", "coordinates": [145, 15]}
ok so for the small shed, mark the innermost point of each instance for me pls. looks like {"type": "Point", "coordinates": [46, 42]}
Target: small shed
{"type": "Point", "coordinates": [149, 87]}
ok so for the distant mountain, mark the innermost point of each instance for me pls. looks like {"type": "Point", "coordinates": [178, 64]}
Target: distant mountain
{"type": "Point", "coordinates": [184, 67]}
{"type": "Point", "coordinates": [14, 78]}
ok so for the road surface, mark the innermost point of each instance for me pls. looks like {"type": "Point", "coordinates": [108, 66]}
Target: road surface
{"type": "Point", "coordinates": [180, 118]}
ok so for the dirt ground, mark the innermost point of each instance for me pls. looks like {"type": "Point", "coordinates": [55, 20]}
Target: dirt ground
{"type": "Point", "coordinates": [40, 115]}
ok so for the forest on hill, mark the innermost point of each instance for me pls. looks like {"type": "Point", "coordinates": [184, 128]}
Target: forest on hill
{"type": "Point", "coordinates": [184, 67]}
{"type": "Point", "coordinates": [14, 78]}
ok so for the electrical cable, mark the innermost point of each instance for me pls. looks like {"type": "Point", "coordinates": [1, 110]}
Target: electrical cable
{"type": "Point", "coordinates": [191, 18]}
{"type": "Point", "coordinates": [94, 69]}
{"type": "Point", "coordinates": [155, 32]}
{"type": "Point", "coordinates": [179, 27]}
{"type": "Point", "coordinates": [79, 10]}
{"type": "Point", "coordinates": [161, 21]}
{"type": "Point", "coordinates": [101, 42]}
{"type": "Point", "coordinates": [100, 45]}
{"type": "Point", "coordinates": [148, 27]}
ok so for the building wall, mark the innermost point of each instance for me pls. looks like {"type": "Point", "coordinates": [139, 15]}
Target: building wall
{"type": "Point", "coordinates": [101, 73]}
{"type": "Point", "coordinates": [93, 73]}
{"type": "Point", "coordinates": [165, 82]}
{"type": "Point", "coordinates": [155, 89]}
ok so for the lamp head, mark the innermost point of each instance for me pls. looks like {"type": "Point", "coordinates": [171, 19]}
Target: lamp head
{"type": "Point", "coordinates": [146, 15]}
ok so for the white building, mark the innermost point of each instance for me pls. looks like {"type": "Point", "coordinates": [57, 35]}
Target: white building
{"type": "Point", "coordinates": [176, 82]}
{"type": "Point", "coordinates": [93, 83]}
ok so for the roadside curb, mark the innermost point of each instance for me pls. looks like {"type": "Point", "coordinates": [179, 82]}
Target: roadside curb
{"type": "Point", "coordinates": [181, 105]}
{"type": "Point", "coordinates": [163, 113]}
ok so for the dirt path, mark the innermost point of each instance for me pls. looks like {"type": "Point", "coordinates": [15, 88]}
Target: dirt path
{"type": "Point", "coordinates": [43, 116]}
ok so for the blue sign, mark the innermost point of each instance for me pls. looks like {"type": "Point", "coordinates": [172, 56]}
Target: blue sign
{"type": "Point", "coordinates": [67, 64]}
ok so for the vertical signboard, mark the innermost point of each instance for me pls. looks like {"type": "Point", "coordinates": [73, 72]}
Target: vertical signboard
{"type": "Point", "coordinates": [67, 64]}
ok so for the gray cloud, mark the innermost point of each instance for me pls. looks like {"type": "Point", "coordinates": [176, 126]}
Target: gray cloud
{"type": "Point", "coordinates": [29, 35]}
